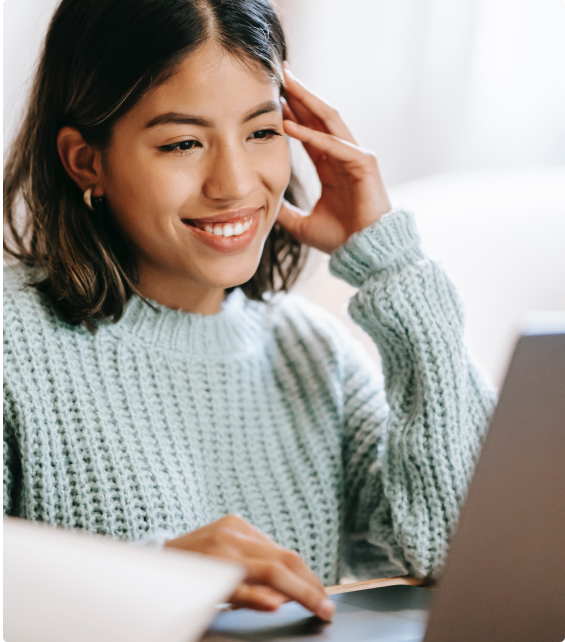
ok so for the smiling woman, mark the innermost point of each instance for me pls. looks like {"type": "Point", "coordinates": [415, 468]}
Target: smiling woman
{"type": "Point", "coordinates": [186, 126]}
{"type": "Point", "coordinates": [152, 391]}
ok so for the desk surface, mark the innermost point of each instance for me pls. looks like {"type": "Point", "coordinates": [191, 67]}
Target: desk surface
{"type": "Point", "coordinates": [390, 614]}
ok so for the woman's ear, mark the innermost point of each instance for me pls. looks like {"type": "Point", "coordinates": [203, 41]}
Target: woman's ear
{"type": "Point", "coordinates": [82, 162]}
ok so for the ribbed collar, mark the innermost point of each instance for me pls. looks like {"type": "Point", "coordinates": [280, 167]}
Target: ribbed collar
{"type": "Point", "coordinates": [236, 328]}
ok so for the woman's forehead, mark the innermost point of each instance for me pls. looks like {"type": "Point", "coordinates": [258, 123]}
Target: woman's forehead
{"type": "Point", "coordinates": [213, 84]}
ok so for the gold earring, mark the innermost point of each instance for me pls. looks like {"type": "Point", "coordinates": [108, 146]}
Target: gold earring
{"type": "Point", "coordinates": [87, 200]}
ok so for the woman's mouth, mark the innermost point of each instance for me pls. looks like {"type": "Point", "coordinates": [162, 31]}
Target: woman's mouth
{"type": "Point", "coordinates": [235, 232]}
{"type": "Point", "coordinates": [223, 229]}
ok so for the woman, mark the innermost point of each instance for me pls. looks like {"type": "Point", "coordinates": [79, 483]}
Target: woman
{"type": "Point", "coordinates": [155, 390]}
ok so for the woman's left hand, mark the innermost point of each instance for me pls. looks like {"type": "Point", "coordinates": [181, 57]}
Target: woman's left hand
{"type": "Point", "coordinates": [353, 195]}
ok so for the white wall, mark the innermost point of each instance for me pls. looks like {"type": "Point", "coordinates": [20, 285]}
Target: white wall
{"type": "Point", "coordinates": [24, 27]}
{"type": "Point", "coordinates": [438, 85]}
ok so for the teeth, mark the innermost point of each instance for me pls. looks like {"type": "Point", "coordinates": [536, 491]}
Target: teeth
{"type": "Point", "coordinates": [228, 229]}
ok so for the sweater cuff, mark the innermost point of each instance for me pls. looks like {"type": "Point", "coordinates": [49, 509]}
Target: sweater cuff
{"type": "Point", "coordinates": [154, 540]}
{"type": "Point", "coordinates": [390, 242]}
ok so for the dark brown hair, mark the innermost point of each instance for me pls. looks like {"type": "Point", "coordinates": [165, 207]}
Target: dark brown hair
{"type": "Point", "coordinates": [99, 59]}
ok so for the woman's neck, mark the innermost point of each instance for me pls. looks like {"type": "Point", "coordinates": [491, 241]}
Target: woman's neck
{"type": "Point", "coordinates": [180, 293]}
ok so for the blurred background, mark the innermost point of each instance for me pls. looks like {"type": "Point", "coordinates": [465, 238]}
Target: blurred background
{"type": "Point", "coordinates": [464, 104]}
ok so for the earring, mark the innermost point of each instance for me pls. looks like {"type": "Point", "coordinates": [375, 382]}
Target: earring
{"type": "Point", "coordinates": [89, 199]}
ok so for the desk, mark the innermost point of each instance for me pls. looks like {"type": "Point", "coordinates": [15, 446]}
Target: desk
{"type": "Point", "coordinates": [390, 614]}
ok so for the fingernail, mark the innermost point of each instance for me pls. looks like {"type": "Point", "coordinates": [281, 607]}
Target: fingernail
{"type": "Point", "coordinates": [326, 610]}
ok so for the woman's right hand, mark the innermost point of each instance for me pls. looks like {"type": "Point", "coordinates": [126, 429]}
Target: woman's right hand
{"type": "Point", "coordinates": [274, 574]}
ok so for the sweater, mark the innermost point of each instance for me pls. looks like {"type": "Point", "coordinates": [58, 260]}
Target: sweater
{"type": "Point", "coordinates": [167, 420]}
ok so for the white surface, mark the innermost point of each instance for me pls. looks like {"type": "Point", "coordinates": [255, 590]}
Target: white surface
{"type": "Point", "coordinates": [62, 586]}
{"type": "Point", "coordinates": [499, 234]}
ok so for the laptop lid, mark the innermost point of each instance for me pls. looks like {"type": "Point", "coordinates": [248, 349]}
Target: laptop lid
{"type": "Point", "coordinates": [504, 579]}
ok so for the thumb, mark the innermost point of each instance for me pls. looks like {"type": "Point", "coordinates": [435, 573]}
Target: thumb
{"type": "Point", "coordinates": [292, 218]}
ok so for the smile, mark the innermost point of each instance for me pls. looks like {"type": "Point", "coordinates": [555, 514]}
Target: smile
{"type": "Point", "coordinates": [235, 232]}
{"type": "Point", "coordinates": [224, 229]}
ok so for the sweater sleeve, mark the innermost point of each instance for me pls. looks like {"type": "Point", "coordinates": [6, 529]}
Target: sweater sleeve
{"type": "Point", "coordinates": [408, 458]}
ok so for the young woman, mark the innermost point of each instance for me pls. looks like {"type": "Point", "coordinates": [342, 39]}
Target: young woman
{"type": "Point", "coordinates": [155, 390]}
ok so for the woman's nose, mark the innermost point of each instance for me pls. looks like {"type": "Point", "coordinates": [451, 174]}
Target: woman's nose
{"type": "Point", "coordinates": [231, 175]}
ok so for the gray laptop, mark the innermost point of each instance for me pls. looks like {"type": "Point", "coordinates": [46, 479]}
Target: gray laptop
{"type": "Point", "coordinates": [504, 579]}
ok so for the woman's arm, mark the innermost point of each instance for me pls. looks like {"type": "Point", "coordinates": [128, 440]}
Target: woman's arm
{"type": "Point", "coordinates": [408, 460]}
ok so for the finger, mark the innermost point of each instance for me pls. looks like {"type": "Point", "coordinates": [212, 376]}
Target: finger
{"type": "Point", "coordinates": [283, 580]}
{"type": "Point", "coordinates": [337, 148]}
{"type": "Point", "coordinates": [255, 542]}
{"type": "Point", "coordinates": [305, 115]}
{"type": "Point", "coordinates": [325, 113]}
{"type": "Point", "coordinates": [302, 117]}
{"type": "Point", "coordinates": [250, 546]}
{"type": "Point", "coordinates": [297, 564]}
{"type": "Point", "coordinates": [287, 112]}
{"type": "Point", "coordinates": [315, 155]}
{"type": "Point", "coordinates": [307, 119]}
{"type": "Point", "coordinates": [261, 598]}
{"type": "Point", "coordinates": [292, 219]}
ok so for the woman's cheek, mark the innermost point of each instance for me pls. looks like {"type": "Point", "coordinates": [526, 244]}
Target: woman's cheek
{"type": "Point", "coordinates": [166, 195]}
{"type": "Point", "coordinates": [279, 170]}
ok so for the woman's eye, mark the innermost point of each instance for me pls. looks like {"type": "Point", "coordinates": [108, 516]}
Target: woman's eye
{"type": "Point", "coordinates": [181, 146]}
{"type": "Point", "coordinates": [265, 134]}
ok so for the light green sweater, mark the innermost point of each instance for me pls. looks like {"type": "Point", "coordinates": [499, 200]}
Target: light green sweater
{"type": "Point", "coordinates": [167, 420]}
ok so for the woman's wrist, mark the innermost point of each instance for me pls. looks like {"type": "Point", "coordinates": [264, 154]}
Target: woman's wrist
{"type": "Point", "coordinates": [390, 242]}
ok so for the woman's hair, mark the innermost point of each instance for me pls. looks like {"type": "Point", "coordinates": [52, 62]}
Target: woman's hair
{"type": "Point", "coordinates": [99, 59]}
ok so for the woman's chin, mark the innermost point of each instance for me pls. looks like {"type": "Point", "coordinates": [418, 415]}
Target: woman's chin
{"type": "Point", "coordinates": [229, 278]}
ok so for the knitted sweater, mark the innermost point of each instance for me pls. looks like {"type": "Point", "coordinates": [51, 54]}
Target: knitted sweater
{"type": "Point", "coordinates": [168, 420]}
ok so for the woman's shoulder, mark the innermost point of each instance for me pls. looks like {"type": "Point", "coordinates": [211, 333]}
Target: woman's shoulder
{"type": "Point", "coordinates": [19, 295]}
{"type": "Point", "coordinates": [27, 313]}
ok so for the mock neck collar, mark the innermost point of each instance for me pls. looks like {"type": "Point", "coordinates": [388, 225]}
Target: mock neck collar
{"type": "Point", "coordinates": [236, 328]}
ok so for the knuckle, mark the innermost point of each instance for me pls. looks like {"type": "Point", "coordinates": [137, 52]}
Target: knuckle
{"type": "Point", "coordinates": [232, 519]}
{"type": "Point", "coordinates": [217, 537]}
{"type": "Point", "coordinates": [273, 571]}
{"type": "Point", "coordinates": [371, 157]}
{"type": "Point", "coordinates": [292, 558]}
{"type": "Point", "coordinates": [332, 112]}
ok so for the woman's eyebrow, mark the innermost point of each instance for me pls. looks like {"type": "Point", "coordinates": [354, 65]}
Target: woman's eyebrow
{"type": "Point", "coordinates": [175, 118]}
{"type": "Point", "coordinates": [263, 108]}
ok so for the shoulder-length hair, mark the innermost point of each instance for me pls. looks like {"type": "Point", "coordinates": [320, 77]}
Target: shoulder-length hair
{"type": "Point", "coordinates": [99, 59]}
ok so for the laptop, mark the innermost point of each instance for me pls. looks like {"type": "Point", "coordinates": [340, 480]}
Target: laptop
{"type": "Point", "coordinates": [504, 579]}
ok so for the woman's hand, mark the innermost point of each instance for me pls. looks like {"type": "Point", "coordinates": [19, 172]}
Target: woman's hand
{"type": "Point", "coordinates": [274, 574]}
{"type": "Point", "coordinates": [353, 195]}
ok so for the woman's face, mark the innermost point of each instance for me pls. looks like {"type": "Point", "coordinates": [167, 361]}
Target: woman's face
{"type": "Point", "coordinates": [195, 175]}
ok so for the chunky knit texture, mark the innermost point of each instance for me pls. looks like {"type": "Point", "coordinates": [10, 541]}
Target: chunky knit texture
{"type": "Point", "coordinates": [167, 420]}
